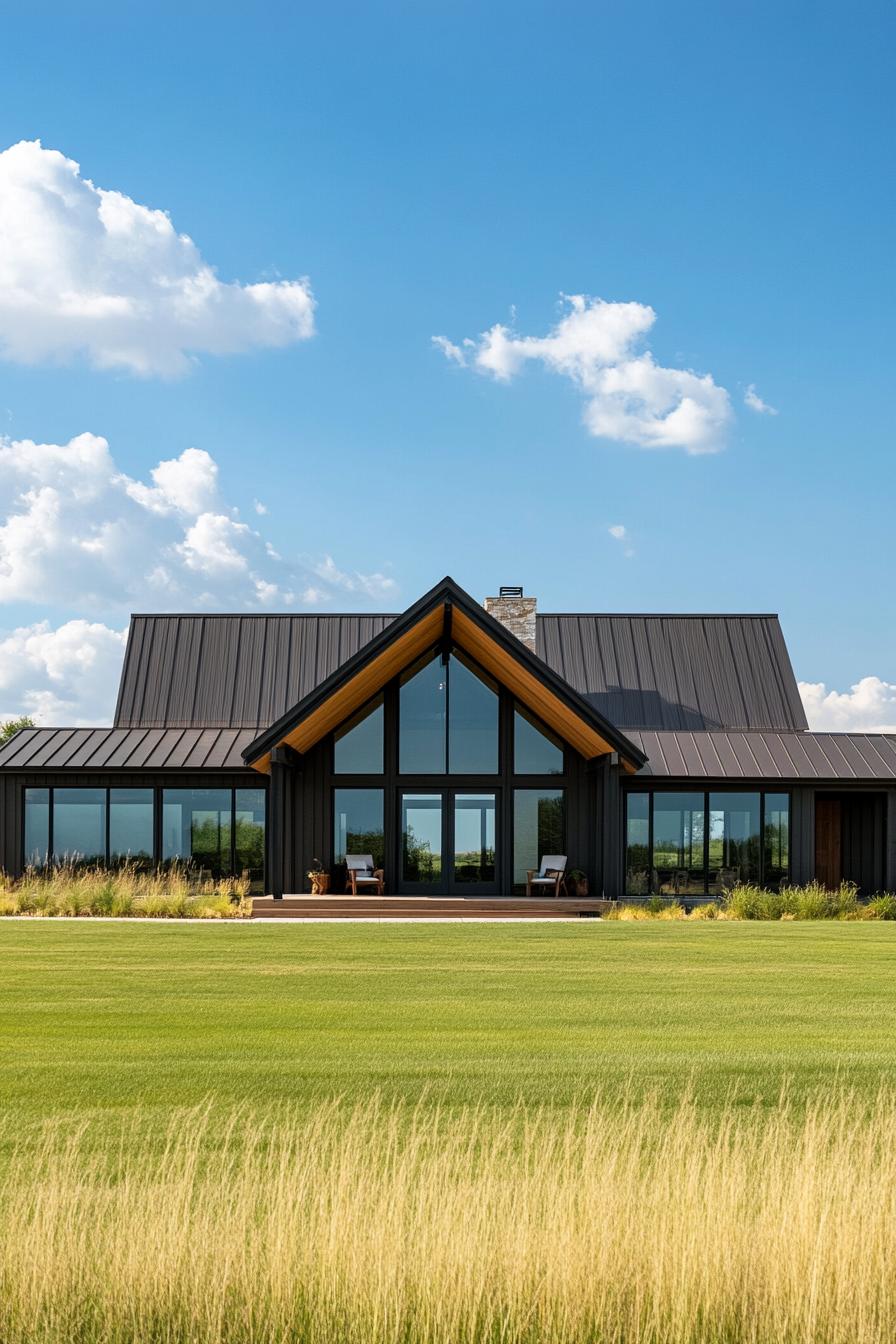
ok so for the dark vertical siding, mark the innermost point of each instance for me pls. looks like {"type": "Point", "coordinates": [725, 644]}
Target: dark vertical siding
{"type": "Point", "coordinates": [802, 835]}
{"type": "Point", "coordinates": [862, 840]}
{"type": "Point", "coordinates": [890, 842]}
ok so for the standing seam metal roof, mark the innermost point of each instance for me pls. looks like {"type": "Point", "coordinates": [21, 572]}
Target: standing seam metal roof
{"type": "Point", "coordinates": [126, 749]}
{"type": "Point", "coordinates": [650, 672]}
{"type": "Point", "coordinates": [768, 755]}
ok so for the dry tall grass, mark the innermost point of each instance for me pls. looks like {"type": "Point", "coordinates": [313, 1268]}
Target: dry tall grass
{"type": "Point", "coordinates": [604, 1224]}
{"type": "Point", "coordinates": [174, 892]}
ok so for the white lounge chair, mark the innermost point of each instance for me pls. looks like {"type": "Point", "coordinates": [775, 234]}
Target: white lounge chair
{"type": "Point", "coordinates": [361, 873]}
{"type": "Point", "coordinates": [548, 881]}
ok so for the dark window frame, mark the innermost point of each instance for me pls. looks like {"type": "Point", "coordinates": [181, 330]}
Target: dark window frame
{"type": "Point", "coordinates": [651, 793]}
{"type": "Point", "coordinates": [158, 792]}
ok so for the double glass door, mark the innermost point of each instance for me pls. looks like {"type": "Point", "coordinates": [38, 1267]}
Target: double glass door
{"type": "Point", "coordinates": [448, 842]}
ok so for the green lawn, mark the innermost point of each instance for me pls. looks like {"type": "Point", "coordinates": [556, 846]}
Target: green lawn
{"type": "Point", "coordinates": [100, 1017]}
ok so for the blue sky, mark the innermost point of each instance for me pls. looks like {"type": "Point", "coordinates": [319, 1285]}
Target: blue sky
{"type": "Point", "coordinates": [438, 170]}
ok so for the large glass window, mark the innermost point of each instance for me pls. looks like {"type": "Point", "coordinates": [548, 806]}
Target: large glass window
{"type": "Point", "coordinates": [358, 746]}
{"type": "Point", "coordinates": [79, 825]}
{"type": "Point", "coordinates": [705, 843]}
{"type": "Point", "coordinates": [472, 721]}
{"type": "Point", "coordinates": [358, 824]}
{"type": "Point", "coordinates": [776, 856]}
{"type": "Point", "coordinates": [421, 838]}
{"type": "Point", "coordinates": [248, 842]}
{"type": "Point", "coordinates": [196, 827]}
{"type": "Point", "coordinates": [422, 713]}
{"type": "Point", "coordinates": [733, 840]}
{"type": "Point", "coordinates": [37, 827]}
{"type": "Point", "coordinates": [474, 837]}
{"type": "Point", "coordinates": [534, 751]}
{"type": "Point", "coordinates": [678, 835]}
{"type": "Point", "coordinates": [637, 844]}
{"type": "Point", "coordinates": [130, 824]}
{"type": "Point", "coordinates": [539, 828]}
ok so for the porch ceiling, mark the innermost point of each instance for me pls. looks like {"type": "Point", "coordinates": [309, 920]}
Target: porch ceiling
{"type": "Point", "coordinates": [446, 613]}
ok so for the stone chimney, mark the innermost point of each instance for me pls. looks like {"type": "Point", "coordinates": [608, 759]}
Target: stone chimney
{"type": "Point", "coordinates": [515, 612]}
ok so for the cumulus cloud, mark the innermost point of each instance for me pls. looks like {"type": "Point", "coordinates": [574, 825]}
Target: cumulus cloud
{"type": "Point", "coordinates": [88, 271]}
{"type": "Point", "coordinates": [869, 706]}
{"type": "Point", "coordinates": [598, 345]}
{"type": "Point", "coordinates": [755, 402]}
{"type": "Point", "coordinates": [619, 532]}
{"type": "Point", "coordinates": [79, 535]}
{"type": "Point", "coordinates": [77, 532]}
{"type": "Point", "coordinates": [68, 675]}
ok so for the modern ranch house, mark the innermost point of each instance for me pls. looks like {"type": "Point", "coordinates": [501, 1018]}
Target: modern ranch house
{"type": "Point", "coordinates": [458, 746]}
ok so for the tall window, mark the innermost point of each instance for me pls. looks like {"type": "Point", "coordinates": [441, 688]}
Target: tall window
{"type": "Point", "coordinates": [196, 827]}
{"type": "Point", "coordinates": [79, 825]}
{"type": "Point", "coordinates": [447, 719]}
{"type": "Point", "coordinates": [358, 745]}
{"type": "Point", "coordinates": [130, 824]}
{"type": "Point", "coordinates": [248, 838]}
{"type": "Point", "coordinates": [358, 824]}
{"type": "Point", "coordinates": [37, 827]}
{"type": "Point", "coordinates": [776, 837]}
{"type": "Point", "coordinates": [535, 752]}
{"type": "Point", "coordinates": [733, 839]}
{"type": "Point", "coordinates": [422, 718]}
{"type": "Point", "coordinates": [539, 828]}
{"type": "Point", "coordinates": [697, 844]}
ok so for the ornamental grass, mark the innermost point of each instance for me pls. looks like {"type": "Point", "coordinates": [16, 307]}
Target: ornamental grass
{"type": "Point", "coordinates": [75, 890]}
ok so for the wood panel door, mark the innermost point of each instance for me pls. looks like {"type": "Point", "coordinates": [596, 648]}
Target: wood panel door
{"type": "Point", "coordinates": [828, 845]}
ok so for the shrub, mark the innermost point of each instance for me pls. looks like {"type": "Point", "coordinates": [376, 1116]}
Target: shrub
{"type": "Point", "coordinates": [708, 911]}
{"type": "Point", "coordinates": [882, 907]}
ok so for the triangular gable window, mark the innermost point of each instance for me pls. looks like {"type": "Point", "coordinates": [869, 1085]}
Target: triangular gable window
{"type": "Point", "coordinates": [535, 750]}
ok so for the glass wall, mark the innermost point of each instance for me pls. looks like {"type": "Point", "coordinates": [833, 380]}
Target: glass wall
{"type": "Point", "coordinates": [248, 837]}
{"type": "Point", "coordinates": [539, 828]}
{"type": "Point", "coordinates": [358, 745]}
{"type": "Point", "coordinates": [472, 721]}
{"type": "Point", "coordinates": [196, 827]}
{"type": "Point", "coordinates": [79, 825]}
{"type": "Point", "coordinates": [534, 751]}
{"type": "Point", "coordinates": [37, 827]}
{"type": "Point", "coordinates": [219, 830]}
{"type": "Point", "coordinates": [422, 716]}
{"type": "Point", "coordinates": [358, 824]}
{"type": "Point", "coordinates": [702, 844]}
{"type": "Point", "coordinates": [130, 824]}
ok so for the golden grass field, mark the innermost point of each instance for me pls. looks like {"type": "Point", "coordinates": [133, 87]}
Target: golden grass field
{"type": "Point", "coordinates": [394, 1223]}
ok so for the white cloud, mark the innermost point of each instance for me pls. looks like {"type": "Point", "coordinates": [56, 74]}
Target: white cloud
{"type": "Point", "coordinates": [89, 271]}
{"type": "Point", "coordinates": [68, 675]}
{"type": "Point", "coordinates": [619, 532]}
{"type": "Point", "coordinates": [755, 402]}
{"type": "Point", "coordinates": [77, 533]}
{"type": "Point", "coordinates": [869, 706]}
{"type": "Point", "coordinates": [628, 396]}
{"type": "Point", "coordinates": [260, 509]}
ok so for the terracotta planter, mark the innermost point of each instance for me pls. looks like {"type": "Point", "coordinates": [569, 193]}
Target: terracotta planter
{"type": "Point", "coordinates": [320, 884]}
{"type": "Point", "coordinates": [577, 886]}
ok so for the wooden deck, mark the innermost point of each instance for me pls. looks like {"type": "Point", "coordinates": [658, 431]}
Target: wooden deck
{"type": "Point", "coordinates": [426, 907]}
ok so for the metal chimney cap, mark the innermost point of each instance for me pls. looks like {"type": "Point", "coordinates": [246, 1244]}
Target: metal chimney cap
{"type": "Point", "coordinates": [510, 590]}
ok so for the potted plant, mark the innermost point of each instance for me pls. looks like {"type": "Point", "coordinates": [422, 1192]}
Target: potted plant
{"type": "Point", "coordinates": [320, 878]}
{"type": "Point", "coordinates": [577, 882]}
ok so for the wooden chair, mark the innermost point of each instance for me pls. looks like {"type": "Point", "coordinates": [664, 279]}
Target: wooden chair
{"type": "Point", "coordinates": [548, 880]}
{"type": "Point", "coordinates": [361, 873]}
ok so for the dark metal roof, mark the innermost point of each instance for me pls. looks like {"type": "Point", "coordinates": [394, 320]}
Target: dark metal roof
{"type": "Point", "coordinates": [231, 671]}
{"type": "Point", "coordinates": [792, 756]}
{"type": "Point", "coordinates": [661, 672]}
{"type": "Point", "coordinates": [126, 749]}
{"type": "Point", "coordinates": [677, 672]}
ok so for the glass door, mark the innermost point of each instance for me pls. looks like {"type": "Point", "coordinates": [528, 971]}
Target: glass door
{"type": "Point", "coordinates": [448, 843]}
{"type": "Point", "coordinates": [422, 843]}
{"type": "Point", "coordinates": [473, 868]}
